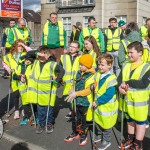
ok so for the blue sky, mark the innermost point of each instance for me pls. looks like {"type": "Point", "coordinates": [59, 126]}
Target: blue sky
{"type": "Point", "coordinates": [32, 4]}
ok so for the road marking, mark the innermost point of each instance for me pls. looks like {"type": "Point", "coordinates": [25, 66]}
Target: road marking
{"type": "Point", "coordinates": [18, 140]}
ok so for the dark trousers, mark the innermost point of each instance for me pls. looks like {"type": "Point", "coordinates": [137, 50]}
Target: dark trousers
{"type": "Point", "coordinates": [104, 133]}
{"type": "Point", "coordinates": [57, 52]}
{"type": "Point", "coordinates": [27, 111]}
{"type": "Point", "coordinates": [79, 119]}
{"type": "Point", "coordinates": [15, 96]}
{"type": "Point", "coordinates": [42, 113]}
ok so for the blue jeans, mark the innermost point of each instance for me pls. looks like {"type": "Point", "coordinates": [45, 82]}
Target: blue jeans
{"type": "Point", "coordinates": [42, 113]}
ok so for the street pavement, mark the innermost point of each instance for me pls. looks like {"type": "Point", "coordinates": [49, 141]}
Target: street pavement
{"type": "Point", "coordinates": [24, 136]}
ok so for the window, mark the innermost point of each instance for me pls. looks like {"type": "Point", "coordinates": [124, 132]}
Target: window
{"type": "Point", "coordinates": [144, 20]}
{"type": "Point", "coordinates": [88, 1]}
{"type": "Point", "coordinates": [67, 25]}
{"type": "Point", "coordinates": [50, 1]}
{"type": "Point", "coordinates": [124, 18]}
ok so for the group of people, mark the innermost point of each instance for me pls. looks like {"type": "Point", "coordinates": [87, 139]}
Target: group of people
{"type": "Point", "coordinates": [90, 75]}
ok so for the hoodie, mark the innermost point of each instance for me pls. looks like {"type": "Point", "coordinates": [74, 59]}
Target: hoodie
{"type": "Point", "coordinates": [131, 37]}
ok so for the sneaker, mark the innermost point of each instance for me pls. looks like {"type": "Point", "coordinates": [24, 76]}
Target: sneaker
{"type": "Point", "coordinates": [50, 128]}
{"type": "Point", "coordinates": [22, 112]}
{"type": "Point", "coordinates": [97, 139]}
{"type": "Point", "coordinates": [104, 145]}
{"type": "Point", "coordinates": [71, 137]}
{"type": "Point", "coordinates": [135, 147]}
{"type": "Point", "coordinates": [16, 116]}
{"type": "Point", "coordinates": [83, 140]}
{"type": "Point", "coordinates": [23, 122]}
{"type": "Point", "coordinates": [126, 144]}
{"type": "Point", "coordinates": [39, 129]}
{"type": "Point", "coordinates": [68, 116]}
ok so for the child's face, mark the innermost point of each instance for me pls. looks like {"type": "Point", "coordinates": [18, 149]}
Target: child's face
{"type": "Point", "coordinates": [134, 56]}
{"type": "Point", "coordinates": [83, 68]}
{"type": "Point", "coordinates": [27, 62]}
{"type": "Point", "coordinates": [103, 66]}
{"type": "Point", "coordinates": [88, 45]}
{"type": "Point", "coordinates": [43, 56]}
{"type": "Point", "coordinates": [73, 48]}
{"type": "Point", "coordinates": [20, 49]}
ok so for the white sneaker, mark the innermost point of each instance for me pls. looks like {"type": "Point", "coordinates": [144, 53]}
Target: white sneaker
{"type": "Point", "coordinates": [16, 116]}
{"type": "Point", "coordinates": [22, 112]}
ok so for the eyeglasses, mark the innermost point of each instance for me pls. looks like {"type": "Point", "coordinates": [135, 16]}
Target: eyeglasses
{"type": "Point", "coordinates": [73, 47]}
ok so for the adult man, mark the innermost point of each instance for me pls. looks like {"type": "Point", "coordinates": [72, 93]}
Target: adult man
{"type": "Point", "coordinates": [113, 38]}
{"type": "Point", "coordinates": [144, 29]}
{"type": "Point", "coordinates": [95, 32]}
{"type": "Point", "coordinates": [5, 37]}
{"type": "Point", "coordinates": [20, 31]}
{"type": "Point", "coordinates": [54, 36]}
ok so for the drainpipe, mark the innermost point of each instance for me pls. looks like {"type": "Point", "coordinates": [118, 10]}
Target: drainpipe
{"type": "Point", "coordinates": [137, 12]}
{"type": "Point", "coordinates": [102, 14]}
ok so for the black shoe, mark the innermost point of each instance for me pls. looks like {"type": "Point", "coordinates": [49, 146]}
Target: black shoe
{"type": "Point", "coordinates": [83, 140]}
{"type": "Point", "coordinates": [50, 128]}
{"type": "Point", "coordinates": [71, 137]}
{"type": "Point", "coordinates": [39, 129]}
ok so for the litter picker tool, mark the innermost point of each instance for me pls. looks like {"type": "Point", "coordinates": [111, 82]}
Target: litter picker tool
{"type": "Point", "coordinates": [122, 120]}
{"type": "Point", "coordinates": [51, 86]}
{"type": "Point", "coordinates": [94, 145]}
{"type": "Point", "coordinates": [35, 123]}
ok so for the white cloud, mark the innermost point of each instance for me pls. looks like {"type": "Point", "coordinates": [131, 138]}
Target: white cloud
{"type": "Point", "coordinates": [33, 5]}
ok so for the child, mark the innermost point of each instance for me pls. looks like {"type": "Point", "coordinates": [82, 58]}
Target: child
{"type": "Point", "coordinates": [82, 94]}
{"type": "Point", "coordinates": [136, 99]}
{"type": "Point", "coordinates": [70, 63]}
{"type": "Point", "coordinates": [41, 88]}
{"type": "Point", "coordinates": [92, 48]}
{"type": "Point", "coordinates": [22, 74]}
{"type": "Point", "coordinates": [106, 104]}
{"type": "Point", "coordinates": [12, 60]}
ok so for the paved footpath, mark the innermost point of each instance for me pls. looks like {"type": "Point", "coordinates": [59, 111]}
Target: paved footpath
{"type": "Point", "coordinates": [16, 134]}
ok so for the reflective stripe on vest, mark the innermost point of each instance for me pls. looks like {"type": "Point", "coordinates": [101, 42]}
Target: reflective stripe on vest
{"type": "Point", "coordinates": [18, 35]}
{"type": "Point", "coordinates": [70, 71]}
{"type": "Point", "coordinates": [136, 100]}
{"type": "Point", "coordinates": [94, 56]}
{"type": "Point", "coordinates": [113, 40]}
{"type": "Point", "coordinates": [61, 33]}
{"type": "Point", "coordinates": [125, 44]}
{"type": "Point", "coordinates": [95, 34]}
{"type": "Point", "coordinates": [40, 86]}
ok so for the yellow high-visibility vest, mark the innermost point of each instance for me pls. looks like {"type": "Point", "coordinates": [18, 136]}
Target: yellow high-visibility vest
{"type": "Point", "coordinates": [7, 30]}
{"type": "Point", "coordinates": [95, 34]}
{"type": "Point", "coordinates": [94, 56]}
{"type": "Point", "coordinates": [61, 32]}
{"type": "Point", "coordinates": [144, 32]}
{"type": "Point", "coordinates": [136, 100]}
{"type": "Point", "coordinates": [70, 71]}
{"type": "Point", "coordinates": [40, 85]}
{"type": "Point", "coordinates": [113, 41]}
{"type": "Point", "coordinates": [106, 114]}
{"type": "Point", "coordinates": [23, 86]}
{"type": "Point", "coordinates": [11, 62]}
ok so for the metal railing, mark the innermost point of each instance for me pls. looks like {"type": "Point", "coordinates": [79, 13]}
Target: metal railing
{"type": "Point", "coordinates": [71, 3]}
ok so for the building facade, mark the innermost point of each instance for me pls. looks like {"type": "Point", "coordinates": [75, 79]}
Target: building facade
{"type": "Point", "coordinates": [72, 11]}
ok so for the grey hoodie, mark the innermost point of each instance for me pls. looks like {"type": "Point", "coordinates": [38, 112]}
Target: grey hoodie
{"type": "Point", "coordinates": [131, 37]}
